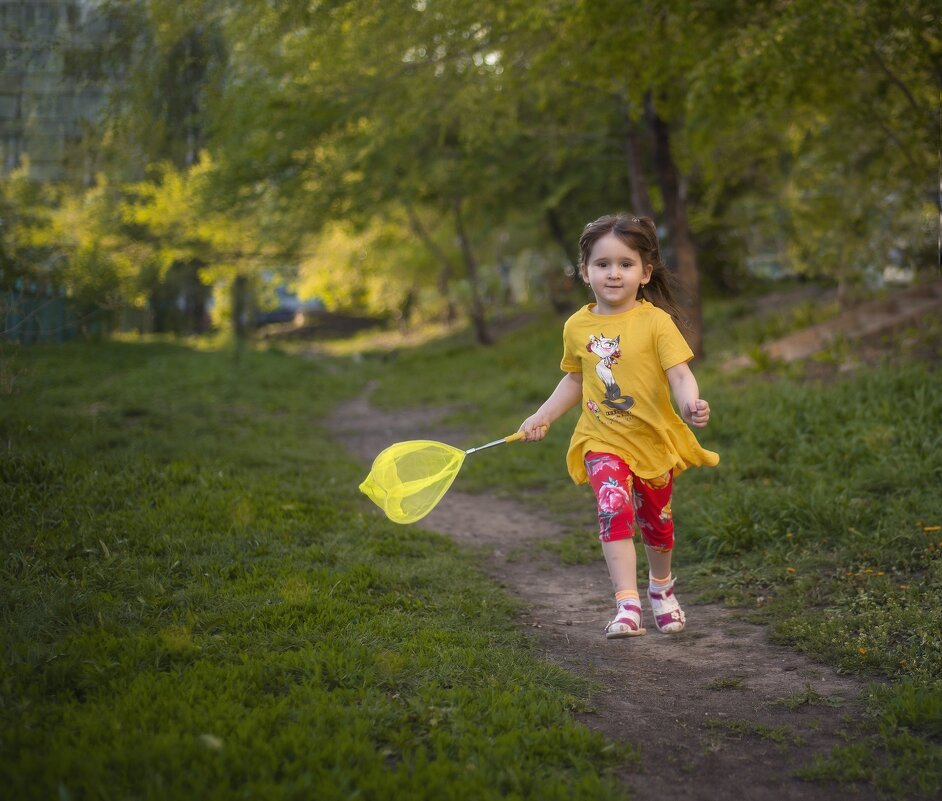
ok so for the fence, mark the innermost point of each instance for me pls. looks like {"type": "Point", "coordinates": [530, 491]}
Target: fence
{"type": "Point", "coordinates": [28, 317]}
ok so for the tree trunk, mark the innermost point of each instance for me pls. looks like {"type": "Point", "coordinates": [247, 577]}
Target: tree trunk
{"type": "Point", "coordinates": [674, 190]}
{"type": "Point", "coordinates": [634, 160]}
{"type": "Point", "coordinates": [478, 317]}
{"type": "Point", "coordinates": [447, 268]}
{"type": "Point", "coordinates": [557, 231]}
{"type": "Point", "coordinates": [239, 314]}
{"type": "Point", "coordinates": [560, 284]}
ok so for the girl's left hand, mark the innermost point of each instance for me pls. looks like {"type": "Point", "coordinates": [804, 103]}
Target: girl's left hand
{"type": "Point", "coordinates": [697, 413]}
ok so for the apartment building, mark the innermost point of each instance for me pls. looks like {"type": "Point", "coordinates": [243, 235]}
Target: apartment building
{"type": "Point", "coordinates": [52, 86]}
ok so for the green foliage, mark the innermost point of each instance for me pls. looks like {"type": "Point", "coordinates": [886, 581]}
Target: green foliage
{"type": "Point", "coordinates": [30, 248]}
{"type": "Point", "coordinates": [198, 603]}
{"type": "Point", "coordinates": [823, 119]}
{"type": "Point", "coordinates": [252, 133]}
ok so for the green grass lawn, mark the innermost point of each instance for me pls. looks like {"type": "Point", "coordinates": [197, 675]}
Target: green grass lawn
{"type": "Point", "coordinates": [197, 602]}
{"type": "Point", "coordinates": [823, 518]}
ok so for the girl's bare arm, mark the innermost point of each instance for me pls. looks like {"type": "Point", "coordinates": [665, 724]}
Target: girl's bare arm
{"type": "Point", "coordinates": [568, 393]}
{"type": "Point", "coordinates": [693, 408]}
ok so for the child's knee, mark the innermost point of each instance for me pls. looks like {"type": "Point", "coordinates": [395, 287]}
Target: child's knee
{"type": "Point", "coordinates": [665, 546]}
{"type": "Point", "coordinates": [658, 536]}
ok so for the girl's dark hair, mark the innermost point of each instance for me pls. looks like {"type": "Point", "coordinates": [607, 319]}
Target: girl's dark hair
{"type": "Point", "coordinates": [639, 233]}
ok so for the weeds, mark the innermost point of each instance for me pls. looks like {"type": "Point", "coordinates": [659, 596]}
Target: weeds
{"type": "Point", "coordinates": [780, 735]}
{"type": "Point", "coordinates": [810, 697]}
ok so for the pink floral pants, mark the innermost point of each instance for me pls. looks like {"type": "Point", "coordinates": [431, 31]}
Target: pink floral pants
{"type": "Point", "coordinates": [621, 496]}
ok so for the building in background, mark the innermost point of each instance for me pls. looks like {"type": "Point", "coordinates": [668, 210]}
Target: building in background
{"type": "Point", "coordinates": [52, 86]}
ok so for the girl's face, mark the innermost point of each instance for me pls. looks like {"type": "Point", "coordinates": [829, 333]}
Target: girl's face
{"type": "Point", "coordinates": [615, 271]}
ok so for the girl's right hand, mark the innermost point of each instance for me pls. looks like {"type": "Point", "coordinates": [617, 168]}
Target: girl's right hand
{"type": "Point", "coordinates": [534, 427]}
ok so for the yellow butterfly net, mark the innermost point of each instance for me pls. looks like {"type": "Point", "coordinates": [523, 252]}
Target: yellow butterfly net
{"type": "Point", "coordinates": [408, 479]}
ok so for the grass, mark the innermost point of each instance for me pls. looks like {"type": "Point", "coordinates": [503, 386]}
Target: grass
{"type": "Point", "coordinates": [810, 697]}
{"type": "Point", "coordinates": [782, 736]}
{"type": "Point", "coordinates": [197, 602]}
{"type": "Point", "coordinates": [823, 517]}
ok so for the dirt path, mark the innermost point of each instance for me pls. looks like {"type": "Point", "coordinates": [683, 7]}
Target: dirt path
{"type": "Point", "coordinates": [705, 706]}
{"type": "Point", "coordinates": [900, 309]}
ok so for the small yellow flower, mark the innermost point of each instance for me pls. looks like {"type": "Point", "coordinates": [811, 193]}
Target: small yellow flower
{"type": "Point", "coordinates": [789, 535]}
{"type": "Point", "coordinates": [790, 569]}
{"type": "Point", "coordinates": [903, 662]}
{"type": "Point", "coordinates": [862, 651]}
{"type": "Point", "coordinates": [904, 586]}
{"type": "Point", "coordinates": [931, 528]}
{"type": "Point", "coordinates": [879, 572]}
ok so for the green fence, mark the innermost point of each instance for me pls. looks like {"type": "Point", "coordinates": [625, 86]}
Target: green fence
{"type": "Point", "coordinates": [28, 317]}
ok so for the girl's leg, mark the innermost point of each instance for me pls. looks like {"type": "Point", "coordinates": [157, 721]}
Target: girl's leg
{"type": "Point", "coordinates": [652, 499]}
{"type": "Point", "coordinates": [622, 564]}
{"type": "Point", "coordinates": [611, 481]}
{"type": "Point", "coordinates": [659, 563]}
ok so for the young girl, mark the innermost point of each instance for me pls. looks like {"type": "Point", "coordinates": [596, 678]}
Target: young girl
{"type": "Point", "coordinates": [622, 355]}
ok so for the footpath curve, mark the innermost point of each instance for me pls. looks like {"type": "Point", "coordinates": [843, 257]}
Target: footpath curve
{"type": "Point", "coordinates": [706, 707]}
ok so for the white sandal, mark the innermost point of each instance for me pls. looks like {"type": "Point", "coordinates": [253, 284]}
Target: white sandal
{"type": "Point", "coordinates": [627, 622]}
{"type": "Point", "coordinates": [668, 616]}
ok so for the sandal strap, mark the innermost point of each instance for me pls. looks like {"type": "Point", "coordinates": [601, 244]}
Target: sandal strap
{"type": "Point", "coordinates": [627, 620]}
{"type": "Point", "coordinates": [665, 606]}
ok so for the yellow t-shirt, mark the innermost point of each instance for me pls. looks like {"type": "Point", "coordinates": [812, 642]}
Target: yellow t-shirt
{"type": "Point", "coordinates": [626, 405]}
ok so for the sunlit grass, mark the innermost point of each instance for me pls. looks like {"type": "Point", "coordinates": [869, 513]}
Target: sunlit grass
{"type": "Point", "coordinates": [383, 341]}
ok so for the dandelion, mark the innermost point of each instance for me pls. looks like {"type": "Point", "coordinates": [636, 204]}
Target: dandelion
{"type": "Point", "coordinates": [789, 535]}
{"type": "Point", "coordinates": [904, 586]}
{"type": "Point", "coordinates": [879, 572]}
{"type": "Point", "coordinates": [903, 662]}
{"type": "Point", "coordinates": [790, 569]}
{"type": "Point", "coordinates": [928, 529]}
{"type": "Point", "coordinates": [862, 651]}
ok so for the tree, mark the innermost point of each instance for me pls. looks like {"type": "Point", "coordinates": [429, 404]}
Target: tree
{"type": "Point", "coordinates": [447, 126]}
{"type": "Point", "coordinates": [824, 128]}
{"type": "Point", "coordinates": [402, 128]}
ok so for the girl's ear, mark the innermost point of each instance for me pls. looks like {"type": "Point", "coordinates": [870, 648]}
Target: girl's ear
{"type": "Point", "coordinates": [583, 272]}
{"type": "Point", "coordinates": [648, 272]}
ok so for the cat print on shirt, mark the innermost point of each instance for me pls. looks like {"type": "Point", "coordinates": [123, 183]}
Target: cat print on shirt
{"type": "Point", "coordinates": [607, 351]}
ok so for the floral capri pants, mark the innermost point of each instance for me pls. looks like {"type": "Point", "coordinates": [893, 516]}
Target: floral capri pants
{"type": "Point", "coordinates": [621, 495]}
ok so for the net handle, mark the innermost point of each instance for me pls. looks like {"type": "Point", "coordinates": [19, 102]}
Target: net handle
{"type": "Point", "coordinates": [512, 438]}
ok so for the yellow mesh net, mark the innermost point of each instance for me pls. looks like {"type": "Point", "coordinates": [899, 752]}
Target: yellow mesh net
{"type": "Point", "coordinates": [409, 478]}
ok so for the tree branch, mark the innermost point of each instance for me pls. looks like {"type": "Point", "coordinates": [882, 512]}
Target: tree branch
{"type": "Point", "coordinates": [895, 79]}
